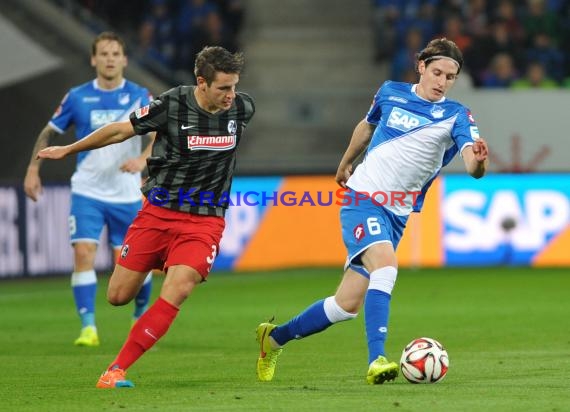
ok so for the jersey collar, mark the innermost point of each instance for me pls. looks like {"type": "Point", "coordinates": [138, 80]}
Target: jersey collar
{"type": "Point", "coordinates": [96, 86]}
{"type": "Point", "coordinates": [415, 86]}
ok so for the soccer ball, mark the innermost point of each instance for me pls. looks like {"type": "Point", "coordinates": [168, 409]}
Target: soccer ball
{"type": "Point", "coordinates": [424, 360]}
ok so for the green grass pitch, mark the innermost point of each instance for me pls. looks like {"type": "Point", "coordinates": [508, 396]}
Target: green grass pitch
{"type": "Point", "coordinates": [506, 331]}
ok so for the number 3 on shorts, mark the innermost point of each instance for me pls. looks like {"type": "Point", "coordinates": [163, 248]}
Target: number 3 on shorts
{"type": "Point", "coordinates": [210, 259]}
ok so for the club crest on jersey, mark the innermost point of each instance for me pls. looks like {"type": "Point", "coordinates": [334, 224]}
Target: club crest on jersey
{"type": "Point", "coordinates": [232, 127]}
{"type": "Point", "coordinates": [405, 121]}
{"type": "Point", "coordinates": [217, 143]}
{"type": "Point", "coordinates": [124, 251]}
{"type": "Point", "coordinates": [437, 111]}
{"type": "Point", "coordinates": [124, 98]}
{"type": "Point", "coordinates": [358, 232]}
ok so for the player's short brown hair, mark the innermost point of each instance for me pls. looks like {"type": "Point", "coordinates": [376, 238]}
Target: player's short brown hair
{"type": "Point", "coordinates": [438, 48]}
{"type": "Point", "coordinates": [108, 36]}
{"type": "Point", "coordinates": [217, 59]}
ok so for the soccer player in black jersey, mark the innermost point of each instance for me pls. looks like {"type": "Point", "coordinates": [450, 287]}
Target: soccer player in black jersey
{"type": "Point", "coordinates": [198, 129]}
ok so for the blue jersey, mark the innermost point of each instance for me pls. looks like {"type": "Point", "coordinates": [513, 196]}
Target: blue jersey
{"type": "Point", "coordinates": [413, 140]}
{"type": "Point", "coordinates": [98, 173]}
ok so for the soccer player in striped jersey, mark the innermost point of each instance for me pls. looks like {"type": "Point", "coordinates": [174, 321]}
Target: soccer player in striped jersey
{"type": "Point", "coordinates": [105, 187]}
{"type": "Point", "coordinates": [198, 130]}
{"type": "Point", "coordinates": [410, 132]}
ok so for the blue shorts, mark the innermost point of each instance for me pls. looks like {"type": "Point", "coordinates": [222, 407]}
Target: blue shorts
{"type": "Point", "coordinates": [365, 224]}
{"type": "Point", "coordinates": [88, 217]}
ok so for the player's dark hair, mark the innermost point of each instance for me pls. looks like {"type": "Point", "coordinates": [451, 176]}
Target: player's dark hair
{"type": "Point", "coordinates": [438, 48]}
{"type": "Point", "coordinates": [217, 59]}
{"type": "Point", "coordinates": [108, 36]}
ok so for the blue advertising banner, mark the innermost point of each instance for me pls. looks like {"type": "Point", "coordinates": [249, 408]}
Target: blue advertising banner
{"type": "Point", "coordinates": [503, 219]}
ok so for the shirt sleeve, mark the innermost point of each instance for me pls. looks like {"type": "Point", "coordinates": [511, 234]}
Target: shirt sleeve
{"type": "Point", "coordinates": [151, 117]}
{"type": "Point", "coordinates": [248, 106]}
{"type": "Point", "coordinates": [465, 130]}
{"type": "Point", "coordinates": [63, 116]}
{"type": "Point", "coordinates": [375, 112]}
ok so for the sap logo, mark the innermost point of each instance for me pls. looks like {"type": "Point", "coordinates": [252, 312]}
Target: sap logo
{"type": "Point", "coordinates": [102, 117]}
{"type": "Point", "coordinates": [405, 121]}
{"type": "Point", "coordinates": [474, 219]}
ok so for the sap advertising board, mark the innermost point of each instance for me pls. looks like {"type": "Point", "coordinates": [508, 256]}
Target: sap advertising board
{"type": "Point", "coordinates": [510, 219]}
{"type": "Point", "coordinates": [285, 222]}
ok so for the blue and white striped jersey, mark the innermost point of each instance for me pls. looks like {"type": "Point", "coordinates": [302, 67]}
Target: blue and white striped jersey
{"type": "Point", "coordinates": [89, 107]}
{"type": "Point", "coordinates": [413, 140]}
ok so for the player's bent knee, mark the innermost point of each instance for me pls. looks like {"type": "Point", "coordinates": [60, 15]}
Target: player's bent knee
{"type": "Point", "coordinates": [119, 297]}
{"type": "Point", "coordinates": [335, 313]}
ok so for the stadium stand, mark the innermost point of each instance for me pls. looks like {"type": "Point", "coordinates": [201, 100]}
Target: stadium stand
{"type": "Point", "coordinates": [304, 69]}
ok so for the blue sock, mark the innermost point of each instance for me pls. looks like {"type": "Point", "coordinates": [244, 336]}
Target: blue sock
{"type": "Point", "coordinates": [312, 320]}
{"type": "Point", "coordinates": [376, 312]}
{"type": "Point", "coordinates": [84, 286]}
{"type": "Point", "coordinates": [143, 297]}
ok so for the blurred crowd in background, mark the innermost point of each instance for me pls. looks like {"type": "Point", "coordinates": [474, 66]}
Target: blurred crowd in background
{"type": "Point", "coordinates": [165, 35]}
{"type": "Point", "coordinates": [506, 43]}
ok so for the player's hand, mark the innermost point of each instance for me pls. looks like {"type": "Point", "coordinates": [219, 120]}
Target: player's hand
{"type": "Point", "coordinates": [33, 185]}
{"type": "Point", "coordinates": [53, 152]}
{"type": "Point", "coordinates": [134, 165]}
{"type": "Point", "coordinates": [343, 174]}
{"type": "Point", "coordinates": [480, 150]}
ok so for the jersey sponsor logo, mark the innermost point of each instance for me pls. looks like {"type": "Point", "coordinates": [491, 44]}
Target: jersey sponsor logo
{"type": "Point", "coordinates": [437, 111]}
{"type": "Point", "coordinates": [102, 117]}
{"type": "Point", "coordinates": [142, 111]}
{"type": "Point", "coordinates": [232, 127]}
{"type": "Point", "coordinates": [474, 130]}
{"type": "Point", "coordinates": [211, 142]}
{"type": "Point", "coordinates": [398, 99]}
{"type": "Point", "coordinates": [405, 121]}
{"type": "Point", "coordinates": [358, 232]}
{"type": "Point", "coordinates": [91, 99]}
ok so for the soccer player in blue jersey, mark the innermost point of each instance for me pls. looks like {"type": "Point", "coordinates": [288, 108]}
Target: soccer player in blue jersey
{"type": "Point", "coordinates": [410, 132]}
{"type": "Point", "coordinates": [105, 187]}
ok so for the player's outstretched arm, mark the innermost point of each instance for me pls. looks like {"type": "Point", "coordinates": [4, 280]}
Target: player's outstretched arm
{"type": "Point", "coordinates": [32, 181]}
{"type": "Point", "coordinates": [476, 158]}
{"type": "Point", "coordinates": [358, 142]}
{"type": "Point", "coordinates": [111, 133]}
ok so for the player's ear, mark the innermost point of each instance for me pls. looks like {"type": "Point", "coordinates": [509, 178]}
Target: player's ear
{"type": "Point", "coordinates": [201, 82]}
{"type": "Point", "coordinates": [421, 67]}
{"type": "Point", "coordinates": [93, 63]}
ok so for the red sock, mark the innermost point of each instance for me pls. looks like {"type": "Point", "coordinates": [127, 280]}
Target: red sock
{"type": "Point", "coordinates": [149, 328]}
